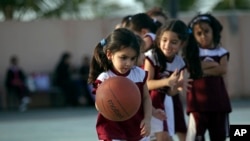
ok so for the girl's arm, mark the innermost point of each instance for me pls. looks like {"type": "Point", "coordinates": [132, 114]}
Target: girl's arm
{"type": "Point", "coordinates": [159, 113]}
{"type": "Point", "coordinates": [147, 104]}
{"type": "Point", "coordinates": [208, 64]}
{"type": "Point", "coordinates": [156, 84]}
{"type": "Point", "coordinates": [147, 107]}
{"type": "Point", "coordinates": [218, 70]}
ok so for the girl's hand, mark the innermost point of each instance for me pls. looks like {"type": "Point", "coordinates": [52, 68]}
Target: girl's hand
{"type": "Point", "coordinates": [145, 127]}
{"type": "Point", "coordinates": [159, 114]}
{"type": "Point", "coordinates": [173, 79]}
{"type": "Point", "coordinates": [184, 81]}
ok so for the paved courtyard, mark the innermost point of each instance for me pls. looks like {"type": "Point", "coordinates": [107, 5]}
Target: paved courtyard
{"type": "Point", "coordinates": [73, 124]}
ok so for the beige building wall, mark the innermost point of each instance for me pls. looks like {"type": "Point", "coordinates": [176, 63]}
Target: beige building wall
{"type": "Point", "coordinates": [40, 43]}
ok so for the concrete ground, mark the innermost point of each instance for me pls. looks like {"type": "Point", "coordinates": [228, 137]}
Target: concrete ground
{"type": "Point", "coordinates": [73, 124]}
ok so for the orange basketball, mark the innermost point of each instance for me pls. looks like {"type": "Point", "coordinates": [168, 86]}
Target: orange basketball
{"type": "Point", "coordinates": [118, 98]}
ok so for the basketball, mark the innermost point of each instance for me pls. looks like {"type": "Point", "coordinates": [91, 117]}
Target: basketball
{"type": "Point", "coordinates": [118, 98]}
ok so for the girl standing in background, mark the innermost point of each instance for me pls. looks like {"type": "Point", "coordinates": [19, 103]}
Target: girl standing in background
{"type": "Point", "coordinates": [208, 104]}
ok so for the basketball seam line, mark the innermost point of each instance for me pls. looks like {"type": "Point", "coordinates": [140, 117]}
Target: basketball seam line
{"type": "Point", "coordinates": [118, 101]}
{"type": "Point", "coordinates": [104, 106]}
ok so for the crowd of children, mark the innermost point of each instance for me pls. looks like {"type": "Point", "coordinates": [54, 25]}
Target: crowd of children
{"type": "Point", "coordinates": [167, 59]}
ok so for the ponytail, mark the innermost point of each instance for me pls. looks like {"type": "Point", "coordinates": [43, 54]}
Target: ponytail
{"type": "Point", "coordinates": [118, 39]}
{"type": "Point", "coordinates": [191, 56]}
{"type": "Point", "coordinates": [99, 62]}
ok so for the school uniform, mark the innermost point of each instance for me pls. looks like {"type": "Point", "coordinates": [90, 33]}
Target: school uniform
{"type": "Point", "coordinates": [160, 98]}
{"type": "Point", "coordinates": [128, 130]}
{"type": "Point", "coordinates": [208, 102]}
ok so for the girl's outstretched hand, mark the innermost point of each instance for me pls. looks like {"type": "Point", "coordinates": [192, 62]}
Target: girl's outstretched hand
{"type": "Point", "coordinates": [173, 79]}
{"type": "Point", "coordinates": [160, 114]}
{"type": "Point", "coordinates": [145, 127]}
{"type": "Point", "coordinates": [184, 81]}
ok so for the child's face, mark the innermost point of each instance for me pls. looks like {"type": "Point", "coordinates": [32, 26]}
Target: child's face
{"type": "Point", "coordinates": [123, 60]}
{"type": "Point", "coordinates": [203, 34]}
{"type": "Point", "coordinates": [170, 44]}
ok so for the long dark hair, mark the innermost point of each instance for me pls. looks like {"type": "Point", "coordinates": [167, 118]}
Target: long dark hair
{"type": "Point", "coordinates": [176, 26]}
{"type": "Point", "coordinates": [191, 51]}
{"type": "Point", "coordinates": [190, 54]}
{"type": "Point", "coordinates": [210, 20]}
{"type": "Point", "coordinates": [142, 20]}
{"type": "Point", "coordinates": [117, 40]}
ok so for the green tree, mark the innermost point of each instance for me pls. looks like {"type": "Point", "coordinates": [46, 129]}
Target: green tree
{"type": "Point", "coordinates": [16, 9]}
{"type": "Point", "coordinates": [233, 4]}
{"type": "Point", "coordinates": [101, 9]}
{"type": "Point", "coordinates": [183, 5]}
{"type": "Point", "coordinates": [61, 9]}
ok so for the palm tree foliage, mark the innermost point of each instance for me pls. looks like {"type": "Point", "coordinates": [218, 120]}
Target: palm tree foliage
{"type": "Point", "coordinates": [233, 4]}
{"type": "Point", "coordinates": [82, 9]}
{"type": "Point", "coordinates": [16, 9]}
{"type": "Point", "coordinates": [101, 9]}
{"type": "Point", "coordinates": [183, 5]}
{"type": "Point", "coordinates": [74, 9]}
